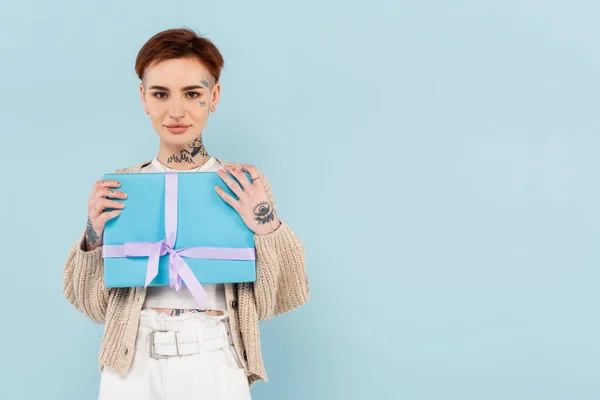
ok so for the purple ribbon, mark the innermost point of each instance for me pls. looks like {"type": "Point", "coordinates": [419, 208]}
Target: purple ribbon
{"type": "Point", "coordinates": [178, 269]}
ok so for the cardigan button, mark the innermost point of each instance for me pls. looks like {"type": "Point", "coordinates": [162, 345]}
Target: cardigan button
{"type": "Point", "coordinates": [234, 304]}
{"type": "Point", "coordinates": [245, 355]}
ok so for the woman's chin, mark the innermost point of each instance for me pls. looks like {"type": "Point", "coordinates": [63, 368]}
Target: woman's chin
{"type": "Point", "coordinates": [177, 139]}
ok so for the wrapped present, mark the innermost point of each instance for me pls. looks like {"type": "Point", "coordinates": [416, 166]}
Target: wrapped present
{"type": "Point", "coordinates": [174, 230]}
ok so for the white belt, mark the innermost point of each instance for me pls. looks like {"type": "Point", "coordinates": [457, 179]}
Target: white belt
{"type": "Point", "coordinates": [162, 343]}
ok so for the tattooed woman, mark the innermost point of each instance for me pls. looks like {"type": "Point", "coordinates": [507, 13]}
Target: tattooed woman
{"type": "Point", "coordinates": [214, 352]}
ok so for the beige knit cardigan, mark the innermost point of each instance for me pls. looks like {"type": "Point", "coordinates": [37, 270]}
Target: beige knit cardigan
{"type": "Point", "coordinates": [281, 285]}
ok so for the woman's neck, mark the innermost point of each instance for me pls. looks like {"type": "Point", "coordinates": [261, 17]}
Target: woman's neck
{"type": "Point", "coordinates": [192, 156]}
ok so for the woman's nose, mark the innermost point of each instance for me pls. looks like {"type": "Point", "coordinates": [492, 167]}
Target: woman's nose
{"type": "Point", "coordinates": [176, 110]}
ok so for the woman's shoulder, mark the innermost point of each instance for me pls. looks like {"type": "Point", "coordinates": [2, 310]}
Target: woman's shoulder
{"type": "Point", "coordinates": [133, 168]}
{"type": "Point", "coordinates": [228, 162]}
{"type": "Point", "coordinates": [236, 164]}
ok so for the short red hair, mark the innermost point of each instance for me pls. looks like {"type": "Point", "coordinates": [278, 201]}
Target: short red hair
{"type": "Point", "coordinates": [179, 43]}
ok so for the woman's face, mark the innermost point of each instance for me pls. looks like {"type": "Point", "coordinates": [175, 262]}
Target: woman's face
{"type": "Point", "coordinates": [179, 91]}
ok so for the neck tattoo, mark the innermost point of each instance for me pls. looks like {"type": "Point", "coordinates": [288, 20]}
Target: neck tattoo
{"type": "Point", "coordinates": [187, 155]}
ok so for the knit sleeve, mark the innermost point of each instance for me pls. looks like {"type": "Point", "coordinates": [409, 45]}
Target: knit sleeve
{"type": "Point", "coordinates": [83, 280]}
{"type": "Point", "coordinates": [281, 282]}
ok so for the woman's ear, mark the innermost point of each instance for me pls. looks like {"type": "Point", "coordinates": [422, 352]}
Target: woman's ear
{"type": "Point", "coordinates": [142, 95]}
{"type": "Point", "coordinates": [216, 96]}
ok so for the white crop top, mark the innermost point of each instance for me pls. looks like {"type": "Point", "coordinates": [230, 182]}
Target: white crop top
{"type": "Point", "coordinates": [167, 297]}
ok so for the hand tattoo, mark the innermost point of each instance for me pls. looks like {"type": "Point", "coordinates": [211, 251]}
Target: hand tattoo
{"type": "Point", "coordinates": [264, 213]}
{"type": "Point", "coordinates": [91, 233]}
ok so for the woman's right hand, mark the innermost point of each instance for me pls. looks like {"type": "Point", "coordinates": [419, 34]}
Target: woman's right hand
{"type": "Point", "coordinates": [99, 200]}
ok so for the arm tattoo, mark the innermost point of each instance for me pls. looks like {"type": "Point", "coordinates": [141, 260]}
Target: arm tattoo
{"type": "Point", "coordinates": [264, 213]}
{"type": "Point", "coordinates": [187, 155]}
{"type": "Point", "coordinates": [91, 233]}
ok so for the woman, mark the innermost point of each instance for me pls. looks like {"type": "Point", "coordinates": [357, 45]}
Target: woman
{"type": "Point", "coordinates": [215, 353]}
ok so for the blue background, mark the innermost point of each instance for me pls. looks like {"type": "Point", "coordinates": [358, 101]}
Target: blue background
{"type": "Point", "coordinates": [438, 160]}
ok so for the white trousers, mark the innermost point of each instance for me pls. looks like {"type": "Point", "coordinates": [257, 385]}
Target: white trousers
{"type": "Point", "coordinates": [214, 374]}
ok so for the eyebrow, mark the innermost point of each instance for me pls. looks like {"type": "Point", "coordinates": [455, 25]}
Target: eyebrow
{"type": "Point", "coordinates": [185, 89]}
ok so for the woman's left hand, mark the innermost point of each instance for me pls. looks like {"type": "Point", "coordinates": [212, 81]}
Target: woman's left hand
{"type": "Point", "coordinates": [252, 203]}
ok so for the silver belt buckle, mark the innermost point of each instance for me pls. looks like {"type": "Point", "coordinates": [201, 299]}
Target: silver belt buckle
{"type": "Point", "coordinates": [151, 344]}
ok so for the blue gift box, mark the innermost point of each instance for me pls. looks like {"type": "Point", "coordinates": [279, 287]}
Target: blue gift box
{"type": "Point", "coordinates": [207, 237]}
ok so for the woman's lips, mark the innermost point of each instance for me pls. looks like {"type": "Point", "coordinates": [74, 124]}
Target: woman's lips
{"type": "Point", "coordinates": [178, 129]}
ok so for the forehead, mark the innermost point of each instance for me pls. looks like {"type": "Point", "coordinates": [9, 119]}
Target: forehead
{"type": "Point", "coordinates": [176, 71]}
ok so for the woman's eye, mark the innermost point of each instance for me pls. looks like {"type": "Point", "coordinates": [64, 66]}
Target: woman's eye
{"type": "Point", "coordinates": [163, 95]}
